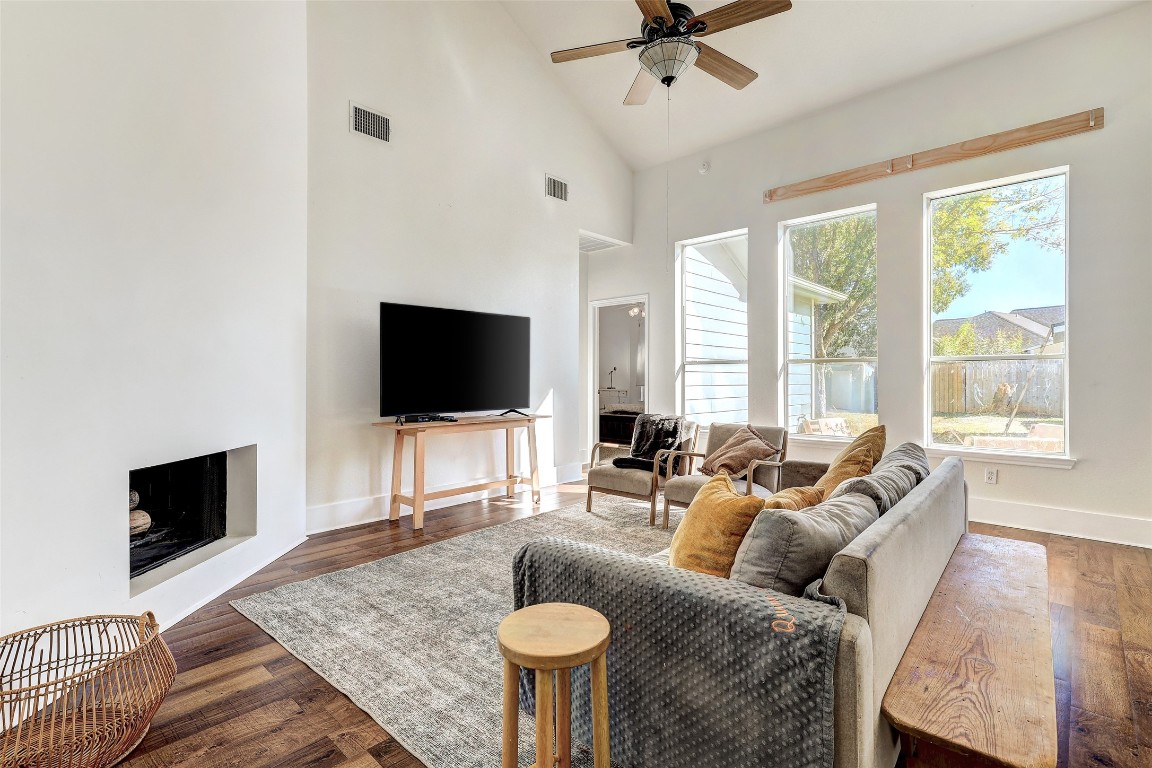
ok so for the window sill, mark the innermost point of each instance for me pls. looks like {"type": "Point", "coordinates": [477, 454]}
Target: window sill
{"type": "Point", "coordinates": [825, 441]}
{"type": "Point", "coordinates": [997, 457]}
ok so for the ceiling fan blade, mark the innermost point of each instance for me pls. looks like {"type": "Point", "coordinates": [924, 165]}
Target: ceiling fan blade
{"type": "Point", "coordinates": [653, 8]}
{"type": "Point", "coordinates": [723, 68]}
{"type": "Point", "coordinates": [739, 12]}
{"type": "Point", "coordinates": [572, 54]}
{"type": "Point", "coordinates": [641, 89]}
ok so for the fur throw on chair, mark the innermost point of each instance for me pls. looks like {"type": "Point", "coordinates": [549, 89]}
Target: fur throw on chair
{"type": "Point", "coordinates": [653, 433]}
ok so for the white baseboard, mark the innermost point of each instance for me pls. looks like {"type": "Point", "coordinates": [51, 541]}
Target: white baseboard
{"type": "Point", "coordinates": [1098, 526]}
{"type": "Point", "coordinates": [569, 473]}
{"type": "Point", "coordinates": [344, 514]}
{"type": "Point", "coordinates": [186, 612]}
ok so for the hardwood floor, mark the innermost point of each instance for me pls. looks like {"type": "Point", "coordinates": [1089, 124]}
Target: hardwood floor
{"type": "Point", "coordinates": [240, 699]}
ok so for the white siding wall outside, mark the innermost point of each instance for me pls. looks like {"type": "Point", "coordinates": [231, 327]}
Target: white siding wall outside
{"type": "Point", "coordinates": [715, 344]}
{"type": "Point", "coordinates": [799, 375]}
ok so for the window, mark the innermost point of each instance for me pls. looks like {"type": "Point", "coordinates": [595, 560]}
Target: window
{"type": "Point", "coordinates": [998, 371]}
{"type": "Point", "coordinates": [714, 326]}
{"type": "Point", "coordinates": [830, 295]}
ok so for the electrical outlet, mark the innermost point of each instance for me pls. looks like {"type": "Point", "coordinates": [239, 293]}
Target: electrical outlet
{"type": "Point", "coordinates": [991, 476]}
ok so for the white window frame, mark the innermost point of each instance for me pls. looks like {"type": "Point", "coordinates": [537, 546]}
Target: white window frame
{"type": "Point", "coordinates": [1063, 460]}
{"type": "Point", "coordinates": [682, 361]}
{"type": "Point", "coordinates": [785, 329]}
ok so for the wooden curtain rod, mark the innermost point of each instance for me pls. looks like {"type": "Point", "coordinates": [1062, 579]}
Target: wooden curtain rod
{"type": "Point", "coordinates": [1069, 125]}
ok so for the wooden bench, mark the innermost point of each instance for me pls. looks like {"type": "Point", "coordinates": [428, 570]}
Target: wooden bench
{"type": "Point", "coordinates": [975, 687]}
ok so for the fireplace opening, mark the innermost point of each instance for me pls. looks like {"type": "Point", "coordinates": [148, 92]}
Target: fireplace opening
{"type": "Point", "coordinates": [176, 508]}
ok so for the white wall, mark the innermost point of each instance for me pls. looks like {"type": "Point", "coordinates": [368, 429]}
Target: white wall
{"type": "Point", "coordinates": [1104, 63]}
{"type": "Point", "coordinates": [616, 349]}
{"type": "Point", "coordinates": [153, 276]}
{"type": "Point", "coordinates": [451, 213]}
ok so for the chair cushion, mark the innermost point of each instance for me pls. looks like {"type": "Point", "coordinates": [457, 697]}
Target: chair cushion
{"type": "Point", "coordinates": [908, 455]}
{"type": "Point", "coordinates": [886, 486]}
{"type": "Point", "coordinates": [634, 481]}
{"type": "Point", "coordinates": [786, 550]}
{"type": "Point", "coordinates": [856, 463]}
{"type": "Point", "coordinates": [873, 440]}
{"type": "Point", "coordinates": [682, 489]}
{"type": "Point", "coordinates": [713, 527]}
{"type": "Point", "coordinates": [738, 451]}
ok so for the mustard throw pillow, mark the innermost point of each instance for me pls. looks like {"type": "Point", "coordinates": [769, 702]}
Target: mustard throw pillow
{"type": "Point", "coordinates": [856, 464]}
{"type": "Point", "coordinates": [709, 536]}
{"type": "Point", "coordinates": [873, 440]}
{"type": "Point", "coordinates": [795, 499]}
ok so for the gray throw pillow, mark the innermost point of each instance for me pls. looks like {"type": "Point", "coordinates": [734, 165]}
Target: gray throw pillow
{"type": "Point", "coordinates": [886, 487]}
{"type": "Point", "coordinates": [786, 551]}
{"type": "Point", "coordinates": [908, 455]}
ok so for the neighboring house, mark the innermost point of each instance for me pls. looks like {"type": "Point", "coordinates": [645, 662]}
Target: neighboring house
{"type": "Point", "coordinates": [1034, 324]}
{"type": "Point", "coordinates": [849, 387]}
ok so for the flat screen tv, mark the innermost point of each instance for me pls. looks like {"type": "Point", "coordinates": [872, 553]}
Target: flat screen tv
{"type": "Point", "coordinates": [435, 360]}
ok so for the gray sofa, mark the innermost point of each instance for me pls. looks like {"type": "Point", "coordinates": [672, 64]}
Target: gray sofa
{"type": "Point", "coordinates": [885, 578]}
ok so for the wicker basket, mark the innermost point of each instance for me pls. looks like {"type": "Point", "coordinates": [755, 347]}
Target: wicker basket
{"type": "Point", "coordinates": [81, 693]}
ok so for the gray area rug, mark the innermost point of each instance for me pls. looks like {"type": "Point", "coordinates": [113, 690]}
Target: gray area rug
{"type": "Point", "coordinates": [411, 638]}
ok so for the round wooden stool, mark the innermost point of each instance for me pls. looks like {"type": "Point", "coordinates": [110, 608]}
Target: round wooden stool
{"type": "Point", "coordinates": [547, 638]}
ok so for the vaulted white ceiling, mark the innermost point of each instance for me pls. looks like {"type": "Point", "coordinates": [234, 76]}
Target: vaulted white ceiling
{"type": "Point", "coordinates": [819, 53]}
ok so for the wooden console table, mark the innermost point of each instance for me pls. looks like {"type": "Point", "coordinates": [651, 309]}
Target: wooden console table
{"type": "Point", "coordinates": [975, 686]}
{"type": "Point", "coordinates": [419, 433]}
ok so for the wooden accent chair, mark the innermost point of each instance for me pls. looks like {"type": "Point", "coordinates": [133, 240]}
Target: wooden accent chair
{"type": "Point", "coordinates": [765, 475]}
{"type": "Point", "coordinates": [635, 483]}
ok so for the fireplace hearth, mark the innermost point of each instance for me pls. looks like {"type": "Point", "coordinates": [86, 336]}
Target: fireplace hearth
{"type": "Point", "coordinates": [176, 508]}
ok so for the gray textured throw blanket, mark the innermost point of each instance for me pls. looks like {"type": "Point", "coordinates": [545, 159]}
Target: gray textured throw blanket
{"type": "Point", "coordinates": [703, 672]}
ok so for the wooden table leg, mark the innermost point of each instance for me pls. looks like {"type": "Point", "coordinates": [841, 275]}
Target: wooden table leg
{"type": "Point", "coordinates": [510, 755]}
{"type": "Point", "coordinates": [397, 472]}
{"type": "Point", "coordinates": [510, 460]}
{"type": "Point", "coordinates": [600, 748]}
{"type": "Point", "coordinates": [544, 720]}
{"type": "Point", "coordinates": [532, 463]}
{"type": "Point", "coordinates": [564, 718]}
{"type": "Point", "coordinates": [418, 483]}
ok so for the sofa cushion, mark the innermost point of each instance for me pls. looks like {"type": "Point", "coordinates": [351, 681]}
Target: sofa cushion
{"type": "Point", "coordinates": [886, 486]}
{"type": "Point", "coordinates": [714, 525]}
{"type": "Point", "coordinates": [682, 489]}
{"type": "Point", "coordinates": [661, 557]}
{"type": "Point", "coordinates": [634, 481]}
{"type": "Point", "coordinates": [873, 440]}
{"type": "Point", "coordinates": [801, 497]}
{"type": "Point", "coordinates": [908, 455]}
{"type": "Point", "coordinates": [738, 451]}
{"type": "Point", "coordinates": [856, 463]}
{"type": "Point", "coordinates": [786, 550]}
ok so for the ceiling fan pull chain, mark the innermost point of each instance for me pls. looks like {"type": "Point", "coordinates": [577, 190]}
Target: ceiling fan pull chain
{"type": "Point", "coordinates": [667, 179]}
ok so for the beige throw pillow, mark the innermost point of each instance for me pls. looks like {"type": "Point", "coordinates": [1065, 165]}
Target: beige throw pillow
{"type": "Point", "coordinates": [745, 446]}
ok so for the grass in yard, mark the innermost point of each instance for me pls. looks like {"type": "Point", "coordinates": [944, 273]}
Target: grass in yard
{"type": "Point", "coordinates": [953, 428]}
{"type": "Point", "coordinates": [859, 423]}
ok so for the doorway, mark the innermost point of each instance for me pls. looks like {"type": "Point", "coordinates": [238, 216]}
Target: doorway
{"type": "Point", "coordinates": [619, 369]}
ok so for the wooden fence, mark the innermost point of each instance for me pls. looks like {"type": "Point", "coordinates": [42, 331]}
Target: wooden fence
{"type": "Point", "coordinates": [972, 387]}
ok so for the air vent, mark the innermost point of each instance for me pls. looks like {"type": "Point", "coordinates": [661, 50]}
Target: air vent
{"type": "Point", "coordinates": [590, 242]}
{"type": "Point", "coordinates": [556, 188]}
{"type": "Point", "coordinates": [369, 122]}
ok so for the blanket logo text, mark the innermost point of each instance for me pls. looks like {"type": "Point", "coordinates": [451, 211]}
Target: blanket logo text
{"type": "Point", "coordinates": [785, 622]}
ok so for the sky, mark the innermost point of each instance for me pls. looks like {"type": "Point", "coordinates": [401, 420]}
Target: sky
{"type": "Point", "coordinates": [1025, 275]}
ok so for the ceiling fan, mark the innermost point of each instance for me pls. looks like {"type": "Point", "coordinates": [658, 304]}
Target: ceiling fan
{"type": "Point", "coordinates": [667, 48]}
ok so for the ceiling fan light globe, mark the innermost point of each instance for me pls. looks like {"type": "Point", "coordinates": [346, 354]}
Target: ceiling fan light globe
{"type": "Point", "coordinates": [667, 58]}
